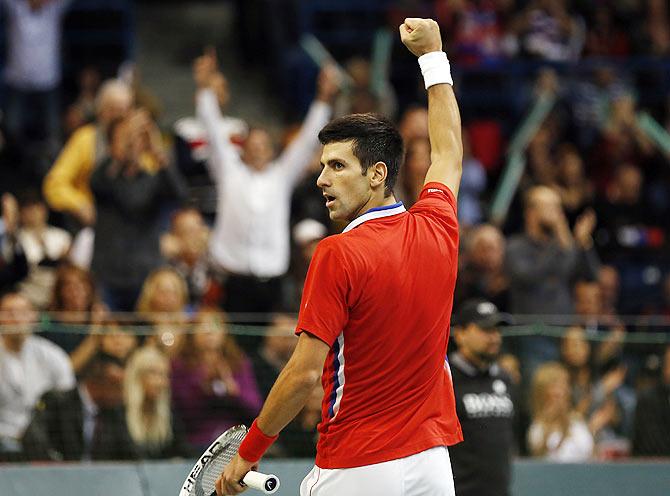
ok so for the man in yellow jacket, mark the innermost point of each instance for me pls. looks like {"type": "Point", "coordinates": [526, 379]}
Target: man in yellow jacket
{"type": "Point", "coordinates": [66, 186]}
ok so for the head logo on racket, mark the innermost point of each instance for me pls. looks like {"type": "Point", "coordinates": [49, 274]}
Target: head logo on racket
{"type": "Point", "coordinates": [201, 481]}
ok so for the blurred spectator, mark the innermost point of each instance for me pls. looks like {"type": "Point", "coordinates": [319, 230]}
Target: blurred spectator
{"type": "Point", "coordinates": [132, 187]}
{"type": "Point", "coordinates": [480, 32]}
{"type": "Point", "coordinates": [605, 38]}
{"type": "Point", "coordinates": [484, 403]}
{"type": "Point", "coordinates": [73, 309]}
{"type": "Point", "coordinates": [511, 366]}
{"type": "Point", "coordinates": [626, 223]}
{"type": "Point", "coordinates": [622, 141]}
{"type": "Point", "coordinates": [589, 99]}
{"type": "Point", "coordinates": [306, 235]}
{"type": "Point", "coordinates": [573, 186]}
{"type": "Point", "coordinates": [162, 305]}
{"type": "Point", "coordinates": [605, 402]}
{"type": "Point", "coordinates": [576, 357]}
{"type": "Point", "coordinates": [213, 383]}
{"type": "Point", "coordinates": [482, 271]}
{"type": "Point", "coordinates": [589, 307]}
{"type": "Point", "coordinates": [413, 172]}
{"type": "Point", "coordinates": [192, 144]}
{"type": "Point", "coordinates": [29, 367]}
{"type": "Point", "coordinates": [82, 111]}
{"type": "Point", "coordinates": [652, 417]}
{"type": "Point", "coordinates": [664, 307]}
{"type": "Point", "coordinates": [44, 245]}
{"type": "Point", "coordinates": [251, 238]}
{"type": "Point", "coordinates": [307, 201]}
{"type": "Point", "coordinates": [13, 261]}
{"type": "Point", "coordinates": [543, 260]}
{"type": "Point", "coordinates": [278, 345]}
{"type": "Point", "coordinates": [657, 28]}
{"type": "Point", "coordinates": [117, 341]}
{"type": "Point", "coordinates": [541, 169]}
{"type": "Point", "coordinates": [473, 184]}
{"type": "Point", "coordinates": [557, 432]}
{"type": "Point", "coordinates": [413, 123]}
{"type": "Point", "coordinates": [150, 420]}
{"type": "Point", "coordinates": [107, 337]}
{"type": "Point", "coordinates": [184, 246]}
{"type": "Point", "coordinates": [85, 423]}
{"type": "Point", "coordinates": [540, 265]}
{"type": "Point", "coordinates": [608, 279]}
{"type": "Point", "coordinates": [66, 186]}
{"type": "Point", "coordinates": [360, 97]}
{"type": "Point", "coordinates": [32, 77]}
{"type": "Point", "coordinates": [546, 30]}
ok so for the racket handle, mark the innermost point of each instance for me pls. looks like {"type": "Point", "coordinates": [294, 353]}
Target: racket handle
{"type": "Point", "coordinates": [262, 482]}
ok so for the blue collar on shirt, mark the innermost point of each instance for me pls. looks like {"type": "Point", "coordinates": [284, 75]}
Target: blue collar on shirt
{"type": "Point", "coordinates": [376, 213]}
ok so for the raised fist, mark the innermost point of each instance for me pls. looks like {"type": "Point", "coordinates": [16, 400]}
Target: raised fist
{"type": "Point", "coordinates": [205, 67]}
{"type": "Point", "coordinates": [328, 83]}
{"type": "Point", "coordinates": [421, 36]}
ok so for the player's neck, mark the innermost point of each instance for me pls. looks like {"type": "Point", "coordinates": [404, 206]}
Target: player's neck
{"type": "Point", "coordinates": [383, 201]}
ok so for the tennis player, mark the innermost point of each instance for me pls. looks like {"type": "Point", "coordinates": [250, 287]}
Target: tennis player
{"type": "Point", "coordinates": [374, 317]}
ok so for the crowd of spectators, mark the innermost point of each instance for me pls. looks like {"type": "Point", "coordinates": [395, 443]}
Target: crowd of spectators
{"type": "Point", "coordinates": [134, 326]}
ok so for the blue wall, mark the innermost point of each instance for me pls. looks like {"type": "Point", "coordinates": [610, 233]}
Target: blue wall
{"type": "Point", "coordinates": [531, 478]}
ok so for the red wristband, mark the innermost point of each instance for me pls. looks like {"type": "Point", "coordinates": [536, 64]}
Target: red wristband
{"type": "Point", "coordinates": [255, 444]}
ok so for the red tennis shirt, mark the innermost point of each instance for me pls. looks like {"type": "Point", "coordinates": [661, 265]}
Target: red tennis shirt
{"type": "Point", "coordinates": [380, 294]}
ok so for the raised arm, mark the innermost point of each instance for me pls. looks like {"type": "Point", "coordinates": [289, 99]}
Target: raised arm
{"type": "Point", "coordinates": [422, 38]}
{"type": "Point", "coordinates": [300, 152]}
{"type": "Point", "coordinates": [207, 109]}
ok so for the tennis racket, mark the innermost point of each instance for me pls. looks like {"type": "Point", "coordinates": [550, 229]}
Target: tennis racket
{"type": "Point", "coordinates": [201, 481]}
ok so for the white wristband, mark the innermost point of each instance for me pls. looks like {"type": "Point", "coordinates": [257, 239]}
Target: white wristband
{"type": "Point", "coordinates": [435, 69]}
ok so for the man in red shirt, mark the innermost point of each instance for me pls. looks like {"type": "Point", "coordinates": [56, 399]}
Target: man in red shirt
{"type": "Point", "coordinates": [374, 317]}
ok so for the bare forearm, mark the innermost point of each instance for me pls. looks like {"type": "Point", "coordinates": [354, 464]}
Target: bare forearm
{"type": "Point", "coordinates": [444, 127]}
{"type": "Point", "coordinates": [287, 397]}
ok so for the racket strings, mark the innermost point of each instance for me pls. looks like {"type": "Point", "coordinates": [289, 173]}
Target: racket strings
{"type": "Point", "coordinates": [212, 470]}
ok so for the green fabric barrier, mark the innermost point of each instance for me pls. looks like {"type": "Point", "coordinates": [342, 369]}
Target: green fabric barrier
{"type": "Point", "coordinates": [655, 132]}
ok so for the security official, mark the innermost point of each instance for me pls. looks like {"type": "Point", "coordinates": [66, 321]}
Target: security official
{"type": "Point", "coordinates": [484, 403]}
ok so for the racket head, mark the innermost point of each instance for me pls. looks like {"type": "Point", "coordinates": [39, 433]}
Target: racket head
{"type": "Point", "coordinates": [201, 480]}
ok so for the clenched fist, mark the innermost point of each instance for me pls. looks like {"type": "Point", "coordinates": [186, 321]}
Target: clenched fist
{"type": "Point", "coordinates": [205, 67]}
{"type": "Point", "coordinates": [421, 36]}
{"type": "Point", "coordinates": [328, 84]}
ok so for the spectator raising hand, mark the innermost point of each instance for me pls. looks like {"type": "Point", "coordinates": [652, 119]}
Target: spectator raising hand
{"type": "Point", "coordinates": [250, 241]}
{"type": "Point", "coordinates": [132, 188]}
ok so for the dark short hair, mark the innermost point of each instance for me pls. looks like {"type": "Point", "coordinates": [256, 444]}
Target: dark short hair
{"type": "Point", "coordinates": [95, 370]}
{"type": "Point", "coordinates": [375, 139]}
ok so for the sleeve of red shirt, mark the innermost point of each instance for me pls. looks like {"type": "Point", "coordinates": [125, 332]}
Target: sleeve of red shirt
{"type": "Point", "coordinates": [324, 310]}
{"type": "Point", "coordinates": [437, 200]}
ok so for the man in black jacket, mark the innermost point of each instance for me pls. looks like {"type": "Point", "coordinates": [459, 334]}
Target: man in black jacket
{"type": "Point", "coordinates": [484, 403]}
{"type": "Point", "coordinates": [85, 423]}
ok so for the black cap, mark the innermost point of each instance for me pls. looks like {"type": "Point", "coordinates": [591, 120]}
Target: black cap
{"type": "Point", "coordinates": [481, 313]}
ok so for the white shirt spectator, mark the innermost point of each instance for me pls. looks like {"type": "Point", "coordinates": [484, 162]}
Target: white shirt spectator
{"type": "Point", "coordinates": [39, 367]}
{"type": "Point", "coordinates": [34, 44]}
{"type": "Point", "coordinates": [52, 244]}
{"type": "Point", "coordinates": [252, 235]}
{"type": "Point", "coordinates": [193, 132]}
{"type": "Point", "coordinates": [576, 446]}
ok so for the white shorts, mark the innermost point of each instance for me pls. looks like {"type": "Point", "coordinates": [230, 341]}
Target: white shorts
{"type": "Point", "coordinates": [424, 474]}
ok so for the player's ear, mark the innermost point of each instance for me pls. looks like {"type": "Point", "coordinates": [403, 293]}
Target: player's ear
{"type": "Point", "coordinates": [377, 174]}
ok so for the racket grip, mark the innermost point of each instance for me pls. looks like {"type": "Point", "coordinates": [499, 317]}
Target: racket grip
{"type": "Point", "coordinates": [262, 482]}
